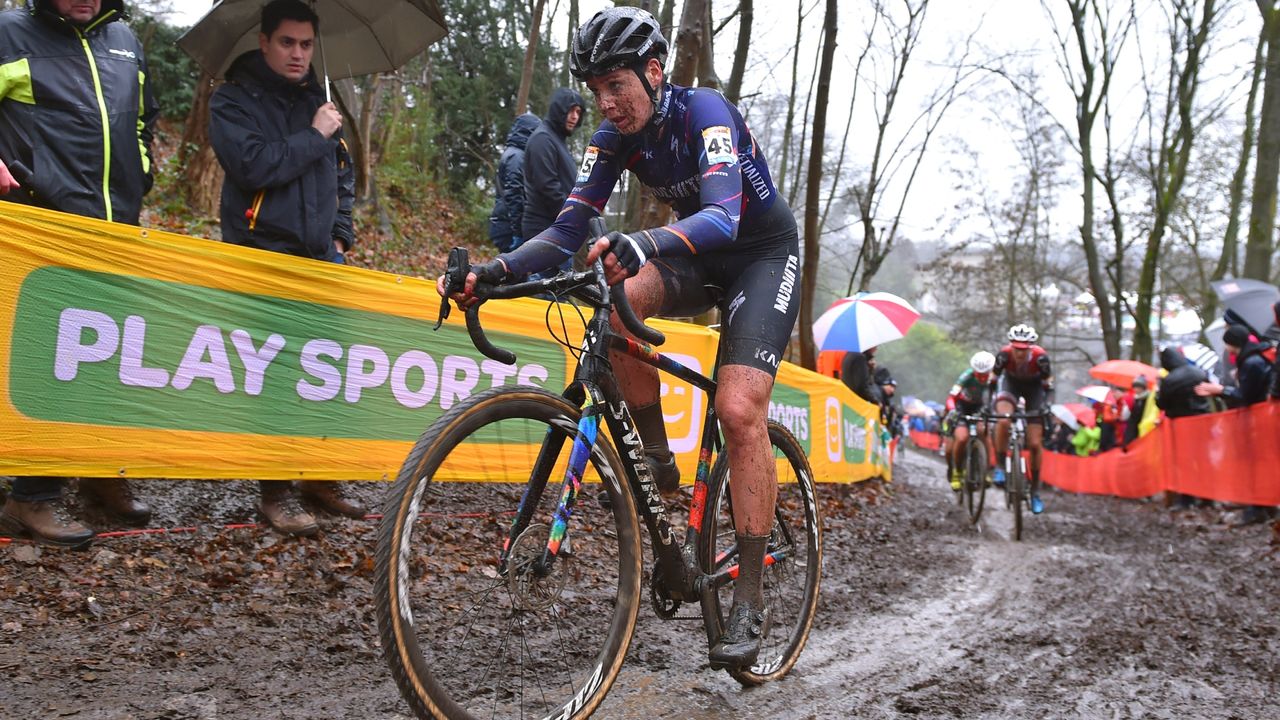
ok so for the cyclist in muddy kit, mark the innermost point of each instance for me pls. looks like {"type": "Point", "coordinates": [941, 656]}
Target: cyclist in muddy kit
{"type": "Point", "coordinates": [967, 397]}
{"type": "Point", "coordinates": [734, 240]}
{"type": "Point", "coordinates": [1023, 372]}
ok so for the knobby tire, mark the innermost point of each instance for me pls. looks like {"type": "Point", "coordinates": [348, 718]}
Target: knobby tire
{"type": "Point", "coordinates": [791, 584]}
{"type": "Point", "coordinates": [465, 639]}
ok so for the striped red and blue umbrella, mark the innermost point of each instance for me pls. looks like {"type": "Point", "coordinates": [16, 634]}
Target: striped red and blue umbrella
{"type": "Point", "coordinates": [864, 321]}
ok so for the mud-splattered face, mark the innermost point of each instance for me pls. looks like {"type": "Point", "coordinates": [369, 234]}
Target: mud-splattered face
{"type": "Point", "coordinates": [622, 99]}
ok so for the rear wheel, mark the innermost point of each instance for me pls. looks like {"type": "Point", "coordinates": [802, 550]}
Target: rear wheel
{"type": "Point", "coordinates": [793, 566]}
{"type": "Point", "coordinates": [467, 636]}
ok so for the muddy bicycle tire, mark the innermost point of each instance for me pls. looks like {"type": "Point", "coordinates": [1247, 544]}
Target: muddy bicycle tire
{"type": "Point", "coordinates": [1017, 490]}
{"type": "Point", "coordinates": [975, 477]}
{"type": "Point", "coordinates": [790, 585]}
{"type": "Point", "coordinates": [466, 638]}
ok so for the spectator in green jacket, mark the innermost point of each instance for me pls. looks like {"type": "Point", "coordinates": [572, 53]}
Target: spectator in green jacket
{"type": "Point", "coordinates": [1087, 440]}
{"type": "Point", "coordinates": [76, 112]}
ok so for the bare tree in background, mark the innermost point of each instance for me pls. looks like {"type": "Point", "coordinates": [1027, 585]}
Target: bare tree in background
{"type": "Point", "coordinates": [1227, 258]}
{"type": "Point", "coordinates": [898, 151]}
{"type": "Point", "coordinates": [1261, 244]}
{"type": "Point", "coordinates": [360, 101]}
{"type": "Point", "coordinates": [812, 235]}
{"type": "Point", "coordinates": [746, 15]}
{"type": "Point", "coordinates": [530, 54]}
{"type": "Point", "coordinates": [201, 174]}
{"type": "Point", "coordinates": [1094, 38]}
{"type": "Point", "coordinates": [1167, 160]}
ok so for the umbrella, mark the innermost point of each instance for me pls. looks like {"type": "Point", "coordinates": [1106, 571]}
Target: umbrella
{"type": "Point", "coordinates": [1096, 393]}
{"type": "Point", "coordinates": [1202, 357]}
{"type": "Point", "coordinates": [1082, 412]}
{"type": "Point", "coordinates": [1063, 413]}
{"type": "Point", "coordinates": [1250, 301]}
{"type": "Point", "coordinates": [359, 37]}
{"type": "Point", "coordinates": [1122, 372]}
{"type": "Point", "coordinates": [864, 321]}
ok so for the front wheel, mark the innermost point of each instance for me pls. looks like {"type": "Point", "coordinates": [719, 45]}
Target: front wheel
{"type": "Point", "coordinates": [793, 563]}
{"type": "Point", "coordinates": [467, 635]}
{"type": "Point", "coordinates": [1017, 486]}
{"type": "Point", "coordinates": [975, 479]}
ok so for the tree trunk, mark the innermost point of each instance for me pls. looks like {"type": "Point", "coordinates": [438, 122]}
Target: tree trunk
{"type": "Point", "coordinates": [745, 12]}
{"type": "Point", "coordinates": [565, 78]}
{"type": "Point", "coordinates": [1175, 155]}
{"type": "Point", "coordinates": [780, 174]}
{"type": "Point", "coordinates": [1260, 244]}
{"type": "Point", "coordinates": [1231, 238]}
{"type": "Point", "coordinates": [530, 54]}
{"type": "Point", "coordinates": [812, 233]}
{"type": "Point", "coordinates": [707, 76]}
{"type": "Point", "coordinates": [201, 174]}
{"type": "Point", "coordinates": [691, 39]}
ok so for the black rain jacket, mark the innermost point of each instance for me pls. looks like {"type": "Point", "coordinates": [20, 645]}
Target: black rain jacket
{"type": "Point", "coordinates": [76, 110]}
{"type": "Point", "coordinates": [1176, 395]}
{"type": "Point", "coordinates": [508, 204]}
{"type": "Point", "coordinates": [288, 188]}
{"type": "Point", "coordinates": [549, 168]}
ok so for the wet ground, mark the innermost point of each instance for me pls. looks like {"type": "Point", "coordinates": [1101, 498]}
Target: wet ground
{"type": "Point", "coordinates": [1107, 609]}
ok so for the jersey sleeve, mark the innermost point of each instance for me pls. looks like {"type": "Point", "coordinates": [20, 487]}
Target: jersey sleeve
{"type": "Point", "coordinates": [713, 134]}
{"type": "Point", "coordinates": [1042, 364]}
{"type": "Point", "coordinates": [1002, 360]}
{"type": "Point", "coordinates": [598, 172]}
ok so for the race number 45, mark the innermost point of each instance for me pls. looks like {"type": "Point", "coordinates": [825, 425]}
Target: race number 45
{"type": "Point", "coordinates": [718, 142]}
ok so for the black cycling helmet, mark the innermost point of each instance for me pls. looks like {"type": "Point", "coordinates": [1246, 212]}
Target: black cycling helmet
{"type": "Point", "coordinates": [613, 38]}
{"type": "Point", "coordinates": [619, 37]}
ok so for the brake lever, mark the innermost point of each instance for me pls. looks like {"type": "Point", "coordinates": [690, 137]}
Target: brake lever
{"type": "Point", "coordinates": [455, 281]}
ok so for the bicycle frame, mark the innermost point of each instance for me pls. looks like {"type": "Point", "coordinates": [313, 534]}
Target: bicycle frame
{"type": "Point", "coordinates": [595, 390]}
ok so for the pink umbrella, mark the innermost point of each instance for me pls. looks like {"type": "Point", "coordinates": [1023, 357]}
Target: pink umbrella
{"type": "Point", "coordinates": [864, 321]}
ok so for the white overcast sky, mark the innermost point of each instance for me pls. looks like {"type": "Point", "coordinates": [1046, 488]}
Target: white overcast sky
{"type": "Point", "coordinates": [1001, 25]}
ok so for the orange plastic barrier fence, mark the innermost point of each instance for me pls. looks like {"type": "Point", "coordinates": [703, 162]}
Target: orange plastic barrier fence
{"type": "Point", "coordinates": [1232, 456]}
{"type": "Point", "coordinates": [926, 440]}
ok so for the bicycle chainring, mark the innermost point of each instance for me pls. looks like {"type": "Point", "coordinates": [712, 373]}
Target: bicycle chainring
{"type": "Point", "coordinates": [664, 606]}
{"type": "Point", "coordinates": [530, 589]}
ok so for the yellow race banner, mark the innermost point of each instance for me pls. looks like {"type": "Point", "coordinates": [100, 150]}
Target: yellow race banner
{"type": "Point", "coordinates": [133, 352]}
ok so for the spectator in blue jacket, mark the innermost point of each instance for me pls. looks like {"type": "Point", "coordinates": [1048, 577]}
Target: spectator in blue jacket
{"type": "Point", "coordinates": [508, 205]}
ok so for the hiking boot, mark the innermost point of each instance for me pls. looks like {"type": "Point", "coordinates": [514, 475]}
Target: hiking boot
{"type": "Point", "coordinates": [997, 477]}
{"type": "Point", "coordinates": [739, 646]}
{"type": "Point", "coordinates": [957, 480]}
{"type": "Point", "coordinates": [1037, 505]}
{"type": "Point", "coordinates": [116, 497]}
{"type": "Point", "coordinates": [666, 475]}
{"type": "Point", "coordinates": [280, 506]}
{"type": "Point", "coordinates": [333, 498]}
{"type": "Point", "coordinates": [46, 522]}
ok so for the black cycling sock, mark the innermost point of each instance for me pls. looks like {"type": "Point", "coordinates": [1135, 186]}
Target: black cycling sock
{"type": "Point", "coordinates": [749, 587]}
{"type": "Point", "coordinates": [653, 430]}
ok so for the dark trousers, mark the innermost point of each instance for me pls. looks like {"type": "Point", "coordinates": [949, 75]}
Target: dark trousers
{"type": "Point", "coordinates": [37, 488]}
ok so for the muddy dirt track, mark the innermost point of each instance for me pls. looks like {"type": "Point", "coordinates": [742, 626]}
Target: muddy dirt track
{"type": "Point", "coordinates": [1108, 609]}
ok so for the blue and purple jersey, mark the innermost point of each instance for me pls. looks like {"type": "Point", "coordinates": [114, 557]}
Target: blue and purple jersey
{"type": "Point", "coordinates": [696, 155]}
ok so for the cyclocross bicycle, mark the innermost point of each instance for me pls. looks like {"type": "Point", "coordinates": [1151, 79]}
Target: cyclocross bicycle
{"type": "Point", "coordinates": [973, 492]}
{"type": "Point", "coordinates": [502, 595]}
{"type": "Point", "coordinates": [1017, 490]}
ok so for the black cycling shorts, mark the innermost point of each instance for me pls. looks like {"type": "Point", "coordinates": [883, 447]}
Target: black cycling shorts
{"type": "Point", "coordinates": [1032, 391]}
{"type": "Point", "coordinates": [758, 292]}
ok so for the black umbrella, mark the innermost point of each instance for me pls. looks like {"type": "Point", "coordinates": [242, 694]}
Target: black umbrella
{"type": "Point", "coordinates": [1249, 302]}
{"type": "Point", "coordinates": [360, 37]}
